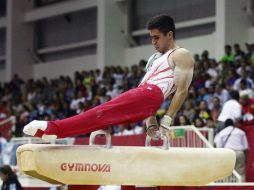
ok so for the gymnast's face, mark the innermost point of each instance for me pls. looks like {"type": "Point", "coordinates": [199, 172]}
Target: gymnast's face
{"type": "Point", "coordinates": [160, 41]}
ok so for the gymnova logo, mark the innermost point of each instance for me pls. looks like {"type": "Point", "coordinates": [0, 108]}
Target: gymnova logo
{"type": "Point", "coordinates": [86, 167]}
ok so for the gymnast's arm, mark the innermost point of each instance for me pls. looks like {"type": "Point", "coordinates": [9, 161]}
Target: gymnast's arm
{"type": "Point", "coordinates": [183, 73]}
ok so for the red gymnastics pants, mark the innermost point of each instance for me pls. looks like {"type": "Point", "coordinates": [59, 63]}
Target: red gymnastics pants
{"type": "Point", "coordinates": [130, 106]}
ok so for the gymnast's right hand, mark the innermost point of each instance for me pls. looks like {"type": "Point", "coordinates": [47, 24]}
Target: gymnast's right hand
{"type": "Point", "coordinates": [152, 128]}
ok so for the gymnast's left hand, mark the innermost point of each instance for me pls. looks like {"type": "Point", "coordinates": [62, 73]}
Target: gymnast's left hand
{"type": "Point", "coordinates": [164, 125]}
{"type": "Point", "coordinates": [165, 121]}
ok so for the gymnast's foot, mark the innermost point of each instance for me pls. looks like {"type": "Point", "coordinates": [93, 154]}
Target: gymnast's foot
{"type": "Point", "coordinates": [36, 128]}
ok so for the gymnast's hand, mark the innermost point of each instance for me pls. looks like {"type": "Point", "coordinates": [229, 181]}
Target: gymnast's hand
{"type": "Point", "coordinates": [165, 124]}
{"type": "Point", "coordinates": [152, 128]}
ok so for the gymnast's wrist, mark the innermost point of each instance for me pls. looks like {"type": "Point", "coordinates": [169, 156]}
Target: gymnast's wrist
{"type": "Point", "coordinates": [166, 121]}
{"type": "Point", "coordinates": [151, 121]}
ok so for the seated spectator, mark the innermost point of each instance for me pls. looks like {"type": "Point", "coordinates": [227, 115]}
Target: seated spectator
{"type": "Point", "coordinates": [198, 122]}
{"type": "Point", "coordinates": [230, 110]}
{"type": "Point", "coordinates": [3, 146]}
{"type": "Point", "coordinates": [210, 69]}
{"type": "Point", "coordinates": [245, 90]}
{"type": "Point", "coordinates": [123, 130]}
{"type": "Point", "coordinates": [210, 123]}
{"type": "Point", "coordinates": [250, 83]}
{"type": "Point", "coordinates": [136, 129]}
{"type": "Point", "coordinates": [203, 112]}
{"type": "Point", "coordinates": [229, 56]}
{"type": "Point", "coordinates": [4, 112]}
{"type": "Point", "coordinates": [250, 52]}
{"type": "Point", "coordinates": [221, 92]}
{"type": "Point", "coordinates": [216, 108]}
{"type": "Point", "coordinates": [239, 54]}
{"type": "Point", "coordinates": [235, 139]}
{"type": "Point", "coordinates": [231, 77]}
{"type": "Point", "coordinates": [75, 102]}
{"type": "Point", "coordinates": [247, 106]}
{"type": "Point", "coordinates": [182, 120]}
{"type": "Point", "coordinates": [203, 95]}
{"type": "Point", "coordinates": [252, 57]}
{"type": "Point", "coordinates": [189, 110]}
{"type": "Point", "coordinates": [205, 56]}
{"type": "Point", "coordinates": [9, 178]}
{"type": "Point", "coordinates": [243, 66]}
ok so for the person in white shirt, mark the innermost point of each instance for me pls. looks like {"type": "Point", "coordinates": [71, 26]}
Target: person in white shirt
{"type": "Point", "coordinates": [244, 90]}
{"type": "Point", "coordinates": [232, 108]}
{"type": "Point", "coordinates": [250, 83]}
{"type": "Point", "coordinates": [235, 139]}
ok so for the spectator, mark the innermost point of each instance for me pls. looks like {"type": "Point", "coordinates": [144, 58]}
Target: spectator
{"type": "Point", "coordinates": [123, 130]}
{"type": "Point", "coordinates": [221, 92]}
{"type": "Point", "coordinates": [235, 139]}
{"type": "Point", "coordinates": [205, 56]}
{"type": "Point", "coordinates": [189, 110]}
{"type": "Point", "coordinates": [3, 147]}
{"type": "Point", "coordinates": [203, 112]}
{"type": "Point", "coordinates": [244, 76]}
{"type": "Point", "coordinates": [249, 51]}
{"type": "Point", "coordinates": [245, 90]}
{"type": "Point", "coordinates": [230, 110]}
{"type": "Point", "coordinates": [243, 66]}
{"type": "Point", "coordinates": [9, 178]}
{"type": "Point", "coordinates": [75, 102]}
{"type": "Point", "coordinates": [210, 69]}
{"type": "Point", "coordinates": [247, 106]}
{"type": "Point", "coordinates": [4, 112]}
{"type": "Point", "coordinates": [239, 54]}
{"type": "Point", "coordinates": [216, 109]}
{"type": "Point", "coordinates": [136, 129]}
{"type": "Point", "coordinates": [182, 120]}
{"type": "Point", "coordinates": [231, 77]}
{"type": "Point", "coordinates": [198, 122]}
{"type": "Point", "coordinates": [210, 123]}
{"type": "Point", "coordinates": [252, 57]}
{"type": "Point", "coordinates": [229, 56]}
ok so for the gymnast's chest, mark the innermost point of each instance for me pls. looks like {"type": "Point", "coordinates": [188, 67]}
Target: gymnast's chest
{"type": "Point", "coordinates": [157, 63]}
{"type": "Point", "coordinates": [154, 63]}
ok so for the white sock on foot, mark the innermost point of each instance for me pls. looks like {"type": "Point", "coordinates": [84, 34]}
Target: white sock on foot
{"type": "Point", "coordinates": [32, 127]}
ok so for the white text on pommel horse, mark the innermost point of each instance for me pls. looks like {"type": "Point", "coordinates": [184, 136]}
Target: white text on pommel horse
{"type": "Point", "coordinates": [86, 167]}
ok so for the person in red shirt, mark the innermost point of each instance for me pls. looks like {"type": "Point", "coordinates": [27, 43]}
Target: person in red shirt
{"type": "Point", "coordinates": [4, 112]}
{"type": "Point", "coordinates": [247, 107]}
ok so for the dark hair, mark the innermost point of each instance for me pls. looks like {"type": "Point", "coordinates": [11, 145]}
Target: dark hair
{"type": "Point", "coordinates": [229, 122]}
{"type": "Point", "coordinates": [234, 95]}
{"type": "Point", "coordinates": [236, 45]}
{"type": "Point", "coordinates": [163, 23]}
{"type": "Point", "coordinates": [228, 47]}
{"type": "Point", "coordinates": [6, 170]}
{"type": "Point", "coordinates": [244, 82]}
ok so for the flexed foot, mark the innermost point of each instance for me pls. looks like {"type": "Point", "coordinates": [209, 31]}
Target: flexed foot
{"type": "Point", "coordinates": [36, 128]}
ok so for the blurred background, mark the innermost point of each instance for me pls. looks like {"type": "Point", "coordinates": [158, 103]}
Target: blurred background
{"type": "Point", "coordinates": [59, 58]}
{"type": "Point", "coordinates": [58, 37]}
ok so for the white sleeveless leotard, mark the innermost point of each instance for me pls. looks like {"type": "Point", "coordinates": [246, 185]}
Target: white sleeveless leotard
{"type": "Point", "coordinates": [160, 72]}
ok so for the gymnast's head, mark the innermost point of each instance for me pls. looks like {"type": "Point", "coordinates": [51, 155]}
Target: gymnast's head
{"type": "Point", "coordinates": [162, 32]}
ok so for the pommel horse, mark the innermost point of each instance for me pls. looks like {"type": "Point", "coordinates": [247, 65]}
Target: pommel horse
{"type": "Point", "coordinates": [125, 165]}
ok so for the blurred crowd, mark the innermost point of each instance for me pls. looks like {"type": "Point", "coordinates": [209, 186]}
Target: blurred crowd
{"type": "Point", "coordinates": [215, 83]}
